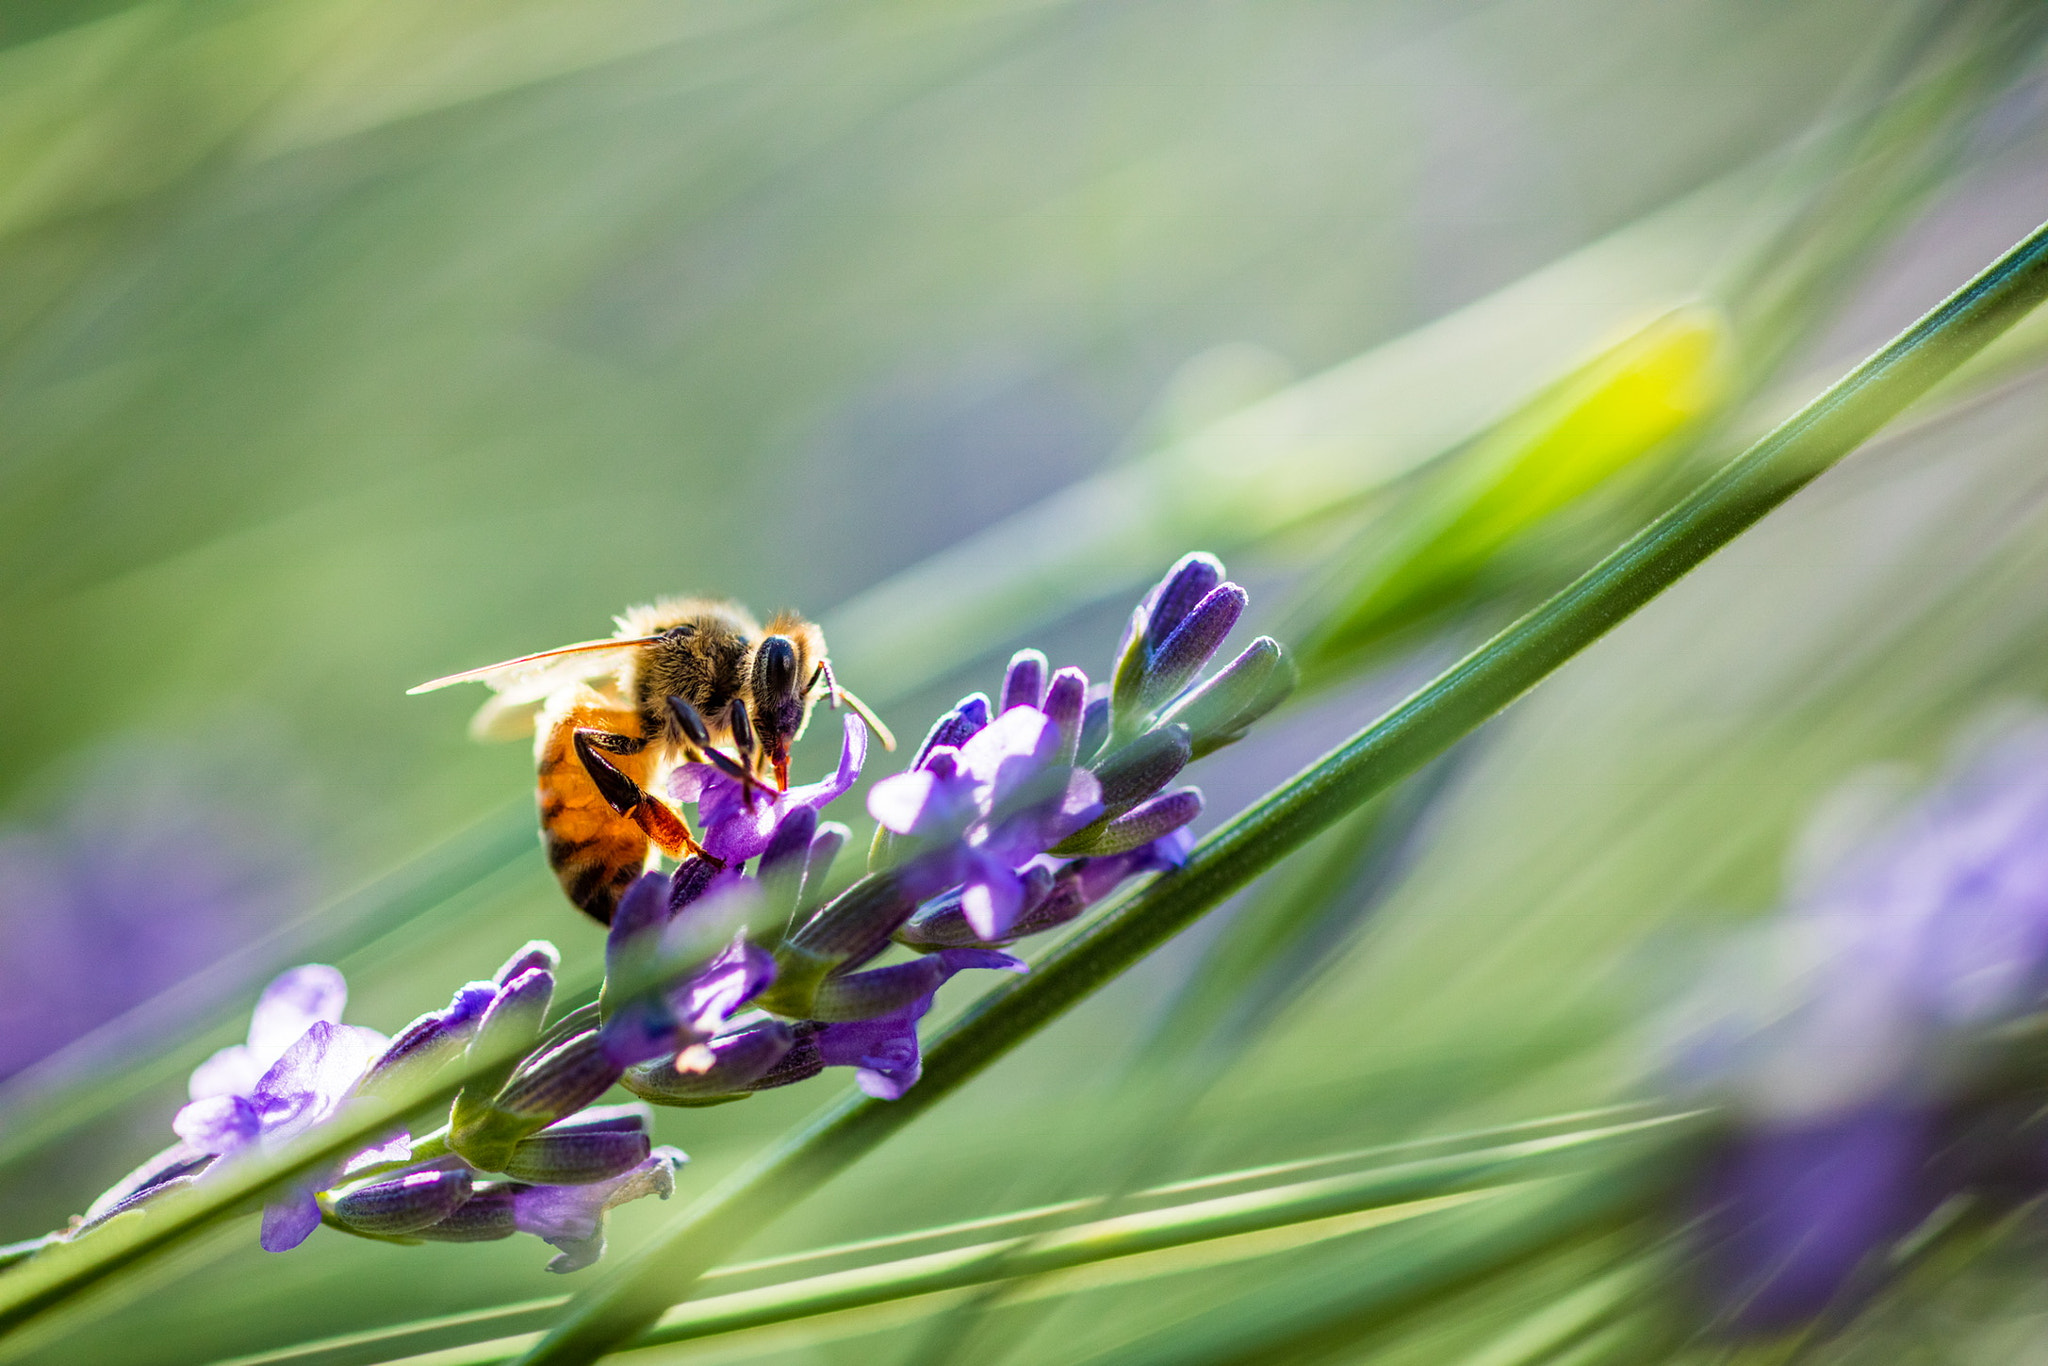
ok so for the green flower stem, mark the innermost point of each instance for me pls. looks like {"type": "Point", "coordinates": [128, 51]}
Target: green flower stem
{"type": "Point", "coordinates": [1396, 1193]}
{"type": "Point", "coordinates": [660, 1273]}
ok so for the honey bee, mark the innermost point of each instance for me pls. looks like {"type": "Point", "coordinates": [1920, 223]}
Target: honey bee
{"type": "Point", "coordinates": [690, 679]}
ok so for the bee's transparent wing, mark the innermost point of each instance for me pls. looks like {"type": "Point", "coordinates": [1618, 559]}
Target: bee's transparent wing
{"type": "Point", "coordinates": [530, 678]}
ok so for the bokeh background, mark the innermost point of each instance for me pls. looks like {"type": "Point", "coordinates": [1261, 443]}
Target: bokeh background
{"type": "Point", "coordinates": [346, 343]}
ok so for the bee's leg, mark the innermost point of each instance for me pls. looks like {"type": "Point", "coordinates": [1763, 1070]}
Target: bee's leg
{"type": "Point", "coordinates": [699, 737]}
{"type": "Point", "coordinates": [749, 752]}
{"type": "Point", "coordinates": [667, 829]}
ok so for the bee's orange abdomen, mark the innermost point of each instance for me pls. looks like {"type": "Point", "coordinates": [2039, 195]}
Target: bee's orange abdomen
{"type": "Point", "coordinates": [595, 852]}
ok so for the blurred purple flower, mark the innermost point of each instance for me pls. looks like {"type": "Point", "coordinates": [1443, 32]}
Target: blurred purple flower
{"type": "Point", "coordinates": [1863, 1045]}
{"type": "Point", "coordinates": [144, 879]}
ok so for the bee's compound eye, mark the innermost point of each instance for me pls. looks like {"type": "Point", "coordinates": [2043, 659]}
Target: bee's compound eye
{"type": "Point", "coordinates": [775, 667]}
{"type": "Point", "coordinates": [683, 632]}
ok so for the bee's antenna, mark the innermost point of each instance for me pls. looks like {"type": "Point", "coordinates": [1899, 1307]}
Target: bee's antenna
{"type": "Point", "coordinates": [861, 709]}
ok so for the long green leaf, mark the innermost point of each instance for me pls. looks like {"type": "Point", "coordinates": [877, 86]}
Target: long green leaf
{"type": "Point", "coordinates": [1835, 423]}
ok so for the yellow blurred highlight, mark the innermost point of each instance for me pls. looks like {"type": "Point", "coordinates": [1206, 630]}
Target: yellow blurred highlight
{"type": "Point", "coordinates": [1618, 415]}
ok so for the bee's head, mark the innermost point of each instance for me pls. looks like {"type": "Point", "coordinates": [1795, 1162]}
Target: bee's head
{"type": "Point", "coordinates": [778, 700]}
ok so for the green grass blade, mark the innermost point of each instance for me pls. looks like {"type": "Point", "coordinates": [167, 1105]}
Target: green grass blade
{"type": "Point", "coordinates": [660, 1273]}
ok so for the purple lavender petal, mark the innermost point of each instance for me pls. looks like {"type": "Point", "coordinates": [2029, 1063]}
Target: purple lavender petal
{"type": "Point", "coordinates": [736, 828]}
{"type": "Point", "coordinates": [289, 1220]}
{"type": "Point", "coordinates": [885, 1050]}
{"type": "Point", "coordinates": [792, 839]}
{"type": "Point", "coordinates": [942, 922]}
{"type": "Point", "coordinates": [706, 1001]}
{"type": "Point", "coordinates": [929, 803]}
{"type": "Point", "coordinates": [1190, 580]}
{"type": "Point", "coordinates": [293, 1002]}
{"type": "Point", "coordinates": [825, 847]}
{"type": "Point", "coordinates": [571, 1218]}
{"type": "Point", "coordinates": [217, 1124]}
{"type": "Point", "coordinates": [308, 1082]}
{"type": "Point", "coordinates": [1070, 802]}
{"type": "Point", "coordinates": [1024, 680]}
{"type": "Point", "coordinates": [991, 900]}
{"type": "Point", "coordinates": [853, 756]}
{"type": "Point", "coordinates": [1008, 753]}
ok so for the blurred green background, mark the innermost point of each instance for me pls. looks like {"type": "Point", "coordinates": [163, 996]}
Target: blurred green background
{"type": "Point", "coordinates": [346, 343]}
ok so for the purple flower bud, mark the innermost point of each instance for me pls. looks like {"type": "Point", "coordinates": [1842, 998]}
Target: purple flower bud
{"type": "Point", "coordinates": [1127, 676]}
{"type": "Point", "coordinates": [862, 918]}
{"type": "Point", "coordinates": [955, 728]}
{"type": "Point", "coordinates": [825, 847]}
{"type": "Point", "coordinates": [781, 870]}
{"type": "Point", "coordinates": [1024, 681]}
{"type": "Point", "coordinates": [559, 1082]}
{"type": "Point", "coordinates": [737, 1061]}
{"type": "Point", "coordinates": [511, 1025]}
{"type": "Point", "coordinates": [535, 953]}
{"type": "Point", "coordinates": [594, 1146]}
{"type": "Point", "coordinates": [1175, 596]}
{"type": "Point", "coordinates": [1135, 771]}
{"type": "Point", "coordinates": [881, 991]}
{"type": "Point", "coordinates": [642, 910]}
{"type": "Point", "coordinates": [483, 1218]}
{"type": "Point", "coordinates": [1094, 725]}
{"type": "Point", "coordinates": [1141, 825]}
{"type": "Point", "coordinates": [791, 839]}
{"type": "Point", "coordinates": [1222, 709]}
{"type": "Point", "coordinates": [404, 1204]}
{"type": "Point", "coordinates": [800, 1063]}
{"type": "Point", "coordinates": [1181, 655]}
{"type": "Point", "coordinates": [172, 1169]}
{"type": "Point", "coordinates": [432, 1040]}
{"type": "Point", "coordinates": [693, 878]}
{"type": "Point", "coordinates": [1065, 698]}
{"type": "Point", "coordinates": [942, 922]}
